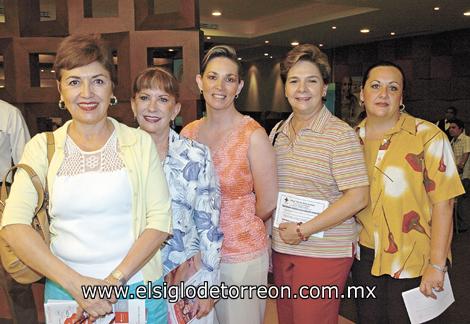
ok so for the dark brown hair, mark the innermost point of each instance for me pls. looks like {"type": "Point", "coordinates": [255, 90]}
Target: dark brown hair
{"type": "Point", "coordinates": [80, 50]}
{"type": "Point", "coordinates": [383, 63]}
{"type": "Point", "coordinates": [221, 51]}
{"type": "Point", "coordinates": [460, 124]}
{"type": "Point", "coordinates": [309, 53]}
{"type": "Point", "coordinates": [454, 110]}
{"type": "Point", "coordinates": [156, 78]}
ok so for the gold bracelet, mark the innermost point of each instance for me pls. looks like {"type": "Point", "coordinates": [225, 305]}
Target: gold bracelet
{"type": "Point", "coordinates": [119, 276]}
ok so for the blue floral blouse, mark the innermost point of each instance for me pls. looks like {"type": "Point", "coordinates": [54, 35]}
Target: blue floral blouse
{"type": "Point", "coordinates": [195, 193]}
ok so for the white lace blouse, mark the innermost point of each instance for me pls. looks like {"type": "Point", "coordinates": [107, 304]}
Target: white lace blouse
{"type": "Point", "coordinates": [91, 210]}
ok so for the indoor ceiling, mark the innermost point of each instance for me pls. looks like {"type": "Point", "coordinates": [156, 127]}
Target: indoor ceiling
{"type": "Point", "coordinates": [248, 24]}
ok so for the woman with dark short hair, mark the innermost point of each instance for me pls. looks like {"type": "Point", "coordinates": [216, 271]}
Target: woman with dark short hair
{"type": "Point", "coordinates": [407, 228]}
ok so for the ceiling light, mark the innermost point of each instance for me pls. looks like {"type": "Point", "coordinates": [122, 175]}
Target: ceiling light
{"type": "Point", "coordinates": [333, 27]}
{"type": "Point", "coordinates": [266, 42]}
{"type": "Point", "coordinates": [216, 13]}
{"type": "Point", "coordinates": [467, 13]}
{"type": "Point", "coordinates": [266, 54]}
{"type": "Point", "coordinates": [208, 37]}
{"type": "Point", "coordinates": [436, 8]}
{"type": "Point", "coordinates": [270, 56]}
{"type": "Point", "coordinates": [392, 34]}
{"type": "Point", "coordinates": [294, 43]}
{"type": "Point", "coordinates": [171, 50]}
{"type": "Point", "coordinates": [52, 71]}
{"type": "Point", "coordinates": [42, 70]}
{"type": "Point", "coordinates": [365, 30]}
{"type": "Point", "coordinates": [239, 58]}
{"type": "Point", "coordinates": [321, 45]}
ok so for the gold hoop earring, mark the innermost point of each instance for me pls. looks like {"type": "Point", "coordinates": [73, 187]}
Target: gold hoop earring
{"type": "Point", "coordinates": [113, 101]}
{"type": "Point", "coordinates": [62, 105]}
{"type": "Point", "coordinates": [402, 108]}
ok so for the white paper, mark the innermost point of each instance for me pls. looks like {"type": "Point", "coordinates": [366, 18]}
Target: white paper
{"type": "Point", "coordinates": [61, 311]}
{"type": "Point", "coordinates": [58, 311]}
{"type": "Point", "coordinates": [422, 309]}
{"type": "Point", "coordinates": [136, 310]}
{"type": "Point", "coordinates": [293, 208]}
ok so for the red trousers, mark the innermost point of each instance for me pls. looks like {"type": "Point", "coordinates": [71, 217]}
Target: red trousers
{"type": "Point", "coordinates": [296, 271]}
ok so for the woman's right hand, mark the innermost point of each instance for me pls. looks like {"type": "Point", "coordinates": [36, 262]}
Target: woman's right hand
{"type": "Point", "coordinates": [288, 233]}
{"type": "Point", "coordinates": [93, 307]}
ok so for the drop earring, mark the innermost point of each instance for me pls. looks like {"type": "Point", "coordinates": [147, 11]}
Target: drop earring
{"type": "Point", "coordinates": [62, 105]}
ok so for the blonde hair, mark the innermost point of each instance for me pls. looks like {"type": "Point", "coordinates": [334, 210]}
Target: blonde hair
{"type": "Point", "coordinates": [221, 51]}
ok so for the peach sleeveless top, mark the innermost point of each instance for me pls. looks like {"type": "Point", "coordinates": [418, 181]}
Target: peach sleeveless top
{"type": "Point", "coordinates": [244, 232]}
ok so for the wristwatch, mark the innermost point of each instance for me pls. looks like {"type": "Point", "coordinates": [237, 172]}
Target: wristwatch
{"type": "Point", "coordinates": [438, 267]}
{"type": "Point", "coordinates": [119, 276]}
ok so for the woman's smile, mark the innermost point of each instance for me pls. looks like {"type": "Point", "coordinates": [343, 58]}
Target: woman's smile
{"type": "Point", "coordinates": [151, 119]}
{"type": "Point", "coordinates": [88, 106]}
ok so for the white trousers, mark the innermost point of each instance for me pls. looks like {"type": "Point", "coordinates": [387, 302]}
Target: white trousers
{"type": "Point", "coordinates": [237, 311]}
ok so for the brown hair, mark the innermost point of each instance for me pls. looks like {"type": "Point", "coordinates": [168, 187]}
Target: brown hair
{"type": "Point", "coordinates": [380, 64]}
{"type": "Point", "coordinates": [460, 124]}
{"type": "Point", "coordinates": [156, 77]}
{"type": "Point", "coordinates": [310, 53]}
{"type": "Point", "coordinates": [221, 51]}
{"type": "Point", "coordinates": [80, 50]}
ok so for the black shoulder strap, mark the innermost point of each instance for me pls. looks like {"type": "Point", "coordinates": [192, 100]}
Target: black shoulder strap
{"type": "Point", "coordinates": [279, 125]}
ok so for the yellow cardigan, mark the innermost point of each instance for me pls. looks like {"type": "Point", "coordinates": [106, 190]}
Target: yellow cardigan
{"type": "Point", "coordinates": [151, 203]}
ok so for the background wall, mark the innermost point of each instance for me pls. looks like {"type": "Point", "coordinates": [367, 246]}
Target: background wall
{"type": "Point", "coordinates": [263, 90]}
{"type": "Point", "coordinates": [437, 70]}
{"type": "Point", "coordinates": [138, 35]}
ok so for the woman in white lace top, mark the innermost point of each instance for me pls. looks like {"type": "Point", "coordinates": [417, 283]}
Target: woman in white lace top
{"type": "Point", "coordinates": [109, 202]}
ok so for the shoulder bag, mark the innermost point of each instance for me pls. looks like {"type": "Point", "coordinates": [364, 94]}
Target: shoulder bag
{"type": "Point", "coordinates": [19, 271]}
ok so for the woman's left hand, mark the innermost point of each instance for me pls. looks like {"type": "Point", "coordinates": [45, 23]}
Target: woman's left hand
{"type": "Point", "coordinates": [431, 279]}
{"type": "Point", "coordinates": [204, 306]}
{"type": "Point", "coordinates": [288, 233]}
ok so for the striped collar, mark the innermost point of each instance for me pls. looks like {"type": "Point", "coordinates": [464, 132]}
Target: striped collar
{"type": "Point", "coordinates": [317, 124]}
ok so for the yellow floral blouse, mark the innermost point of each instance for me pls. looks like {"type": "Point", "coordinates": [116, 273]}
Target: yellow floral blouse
{"type": "Point", "coordinates": [411, 169]}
